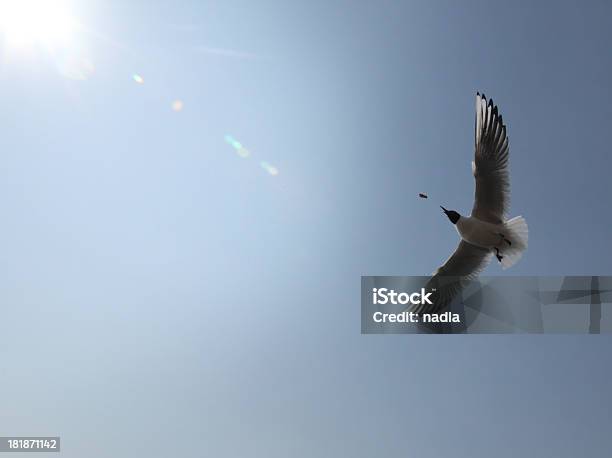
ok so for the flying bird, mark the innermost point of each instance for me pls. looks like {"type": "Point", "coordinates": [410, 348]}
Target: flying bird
{"type": "Point", "coordinates": [486, 231]}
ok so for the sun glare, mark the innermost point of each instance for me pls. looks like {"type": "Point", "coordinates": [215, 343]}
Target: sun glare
{"type": "Point", "coordinates": [36, 22]}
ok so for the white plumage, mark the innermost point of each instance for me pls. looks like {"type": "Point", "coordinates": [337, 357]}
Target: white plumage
{"type": "Point", "coordinates": [509, 238]}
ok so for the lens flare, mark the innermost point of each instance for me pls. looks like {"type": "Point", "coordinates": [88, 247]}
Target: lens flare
{"type": "Point", "coordinates": [240, 150]}
{"type": "Point", "coordinates": [269, 168]}
{"type": "Point", "coordinates": [177, 105]}
{"type": "Point", "coordinates": [243, 152]}
{"type": "Point", "coordinates": [139, 79]}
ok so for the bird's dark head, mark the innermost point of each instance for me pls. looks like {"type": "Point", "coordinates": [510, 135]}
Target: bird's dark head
{"type": "Point", "coordinates": [452, 215]}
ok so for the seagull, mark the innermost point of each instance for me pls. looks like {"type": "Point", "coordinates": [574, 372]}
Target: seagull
{"type": "Point", "coordinates": [486, 231]}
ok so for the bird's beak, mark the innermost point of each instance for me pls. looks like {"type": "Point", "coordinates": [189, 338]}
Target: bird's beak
{"type": "Point", "coordinates": [445, 210]}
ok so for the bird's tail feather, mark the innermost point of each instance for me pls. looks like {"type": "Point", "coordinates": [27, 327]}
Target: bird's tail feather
{"type": "Point", "coordinates": [517, 232]}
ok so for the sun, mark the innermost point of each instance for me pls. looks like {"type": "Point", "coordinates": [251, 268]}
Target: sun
{"type": "Point", "coordinates": [48, 23]}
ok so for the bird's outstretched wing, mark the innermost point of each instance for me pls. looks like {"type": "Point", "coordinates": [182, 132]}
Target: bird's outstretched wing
{"type": "Point", "coordinates": [464, 264]}
{"type": "Point", "coordinates": [490, 166]}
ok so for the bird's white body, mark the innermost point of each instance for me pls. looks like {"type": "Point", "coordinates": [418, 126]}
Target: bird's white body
{"type": "Point", "coordinates": [479, 233]}
{"type": "Point", "coordinates": [510, 238]}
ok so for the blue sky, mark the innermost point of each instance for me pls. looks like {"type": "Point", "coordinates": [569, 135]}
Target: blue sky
{"type": "Point", "coordinates": [163, 296]}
